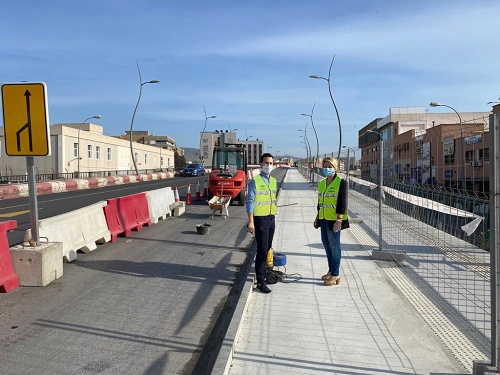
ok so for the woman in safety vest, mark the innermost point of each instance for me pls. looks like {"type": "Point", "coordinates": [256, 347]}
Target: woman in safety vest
{"type": "Point", "coordinates": [332, 217]}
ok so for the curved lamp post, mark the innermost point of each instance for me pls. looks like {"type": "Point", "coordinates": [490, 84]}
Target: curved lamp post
{"type": "Point", "coordinates": [133, 115]}
{"type": "Point", "coordinates": [203, 132]}
{"type": "Point", "coordinates": [462, 151]}
{"type": "Point", "coordinates": [310, 153]}
{"type": "Point", "coordinates": [333, 101]}
{"type": "Point", "coordinates": [380, 182]}
{"type": "Point", "coordinates": [230, 131]}
{"type": "Point", "coordinates": [78, 142]}
{"type": "Point", "coordinates": [307, 152]}
{"type": "Point", "coordinates": [316, 134]}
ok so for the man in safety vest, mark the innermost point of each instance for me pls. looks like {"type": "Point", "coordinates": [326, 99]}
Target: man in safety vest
{"type": "Point", "coordinates": [261, 210]}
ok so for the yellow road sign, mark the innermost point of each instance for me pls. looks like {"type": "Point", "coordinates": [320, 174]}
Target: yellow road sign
{"type": "Point", "coordinates": [26, 119]}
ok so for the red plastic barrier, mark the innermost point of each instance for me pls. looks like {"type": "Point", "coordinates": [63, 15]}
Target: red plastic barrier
{"type": "Point", "coordinates": [111, 180]}
{"type": "Point", "coordinates": [71, 184]}
{"type": "Point", "coordinates": [93, 182]}
{"type": "Point", "coordinates": [8, 279]}
{"type": "Point", "coordinates": [9, 191]}
{"type": "Point", "coordinates": [115, 226]}
{"type": "Point", "coordinates": [127, 213]}
{"type": "Point", "coordinates": [141, 209]}
{"type": "Point", "coordinates": [44, 188]}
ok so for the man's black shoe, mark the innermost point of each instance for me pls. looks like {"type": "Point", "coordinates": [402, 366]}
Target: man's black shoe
{"type": "Point", "coordinates": [263, 288]}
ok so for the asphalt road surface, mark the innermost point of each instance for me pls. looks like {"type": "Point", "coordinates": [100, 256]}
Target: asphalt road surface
{"type": "Point", "coordinates": [156, 302]}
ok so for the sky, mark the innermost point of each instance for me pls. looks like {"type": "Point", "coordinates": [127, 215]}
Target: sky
{"type": "Point", "coordinates": [249, 62]}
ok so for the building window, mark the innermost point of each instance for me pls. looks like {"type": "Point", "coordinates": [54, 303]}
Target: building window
{"type": "Point", "coordinates": [145, 159]}
{"type": "Point", "coordinates": [109, 153]}
{"type": "Point", "coordinates": [89, 151]}
{"type": "Point", "coordinates": [75, 150]}
{"type": "Point", "coordinates": [136, 156]}
{"type": "Point", "coordinates": [161, 161]}
{"type": "Point", "coordinates": [97, 152]}
{"type": "Point", "coordinates": [484, 154]}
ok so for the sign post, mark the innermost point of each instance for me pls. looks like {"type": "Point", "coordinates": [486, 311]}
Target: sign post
{"type": "Point", "coordinates": [26, 132]}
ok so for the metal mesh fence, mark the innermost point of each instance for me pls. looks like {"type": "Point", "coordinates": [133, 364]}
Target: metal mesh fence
{"type": "Point", "coordinates": [444, 231]}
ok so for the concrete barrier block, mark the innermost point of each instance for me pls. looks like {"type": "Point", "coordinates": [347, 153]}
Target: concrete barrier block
{"type": "Point", "coordinates": [159, 202]}
{"type": "Point", "coordinates": [178, 208]}
{"type": "Point", "coordinates": [38, 266]}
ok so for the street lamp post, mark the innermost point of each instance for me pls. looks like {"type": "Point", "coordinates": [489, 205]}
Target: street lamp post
{"type": "Point", "coordinates": [462, 151]}
{"type": "Point", "coordinates": [230, 133]}
{"type": "Point", "coordinates": [333, 101]}
{"type": "Point", "coordinates": [203, 132]}
{"type": "Point", "coordinates": [348, 159]}
{"type": "Point", "coordinates": [307, 153]}
{"type": "Point", "coordinates": [316, 134]}
{"type": "Point", "coordinates": [247, 137]}
{"type": "Point", "coordinates": [133, 115]}
{"type": "Point", "coordinates": [380, 182]}
{"type": "Point", "coordinates": [310, 153]}
{"type": "Point", "coordinates": [78, 142]}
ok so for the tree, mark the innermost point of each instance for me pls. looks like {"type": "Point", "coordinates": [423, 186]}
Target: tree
{"type": "Point", "coordinates": [179, 161]}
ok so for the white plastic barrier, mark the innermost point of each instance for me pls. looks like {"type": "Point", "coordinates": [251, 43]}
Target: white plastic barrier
{"type": "Point", "coordinates": [159, 202]}
{"type": "Point", "coordinates": [77, 230]}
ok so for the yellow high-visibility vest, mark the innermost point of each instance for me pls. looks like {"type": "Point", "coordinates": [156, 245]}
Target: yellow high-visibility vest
{"type": "Point", "coordinates": [265, 197]}
{"type": "Point", "coordinates": [327, 199]}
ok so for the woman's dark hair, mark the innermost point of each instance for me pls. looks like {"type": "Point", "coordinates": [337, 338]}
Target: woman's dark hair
{"type": "Point", "coordinates": [266, 155]}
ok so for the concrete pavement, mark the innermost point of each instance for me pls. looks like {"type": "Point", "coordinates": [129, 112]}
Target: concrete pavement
{"type": "Point", "coordinates": [362, 326]}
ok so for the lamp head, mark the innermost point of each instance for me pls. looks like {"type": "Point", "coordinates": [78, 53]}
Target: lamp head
{"type": "Point", "coordinates": [152, 81]}
{"type": "Point", "coordinates": [96, 116]}
{"type": "Point", "coordinates": [434, 104]}
{"type": "Point", "coordinates": [315, 76]}
{"type": "Point", "coordinates": [212, 117]}
{"type": "Point", "coordinates": [303, 114]}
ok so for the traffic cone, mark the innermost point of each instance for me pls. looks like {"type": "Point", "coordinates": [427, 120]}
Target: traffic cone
{"type": "Point", "coordinates": [176, 195]}
{"type": "Point", "coordinates": [188, 195]}
{"type": "Point", "coordinates": [205, 190]}
{"type": "Point", "coordinates": [197, 195]}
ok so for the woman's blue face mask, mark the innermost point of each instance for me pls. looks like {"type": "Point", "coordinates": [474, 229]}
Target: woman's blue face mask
{"type": "Point", "coordinates": [327, 171]}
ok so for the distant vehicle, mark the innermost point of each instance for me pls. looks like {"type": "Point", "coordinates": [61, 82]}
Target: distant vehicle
{"type": "Point", "coordinates": [193, 169]}
{"type": "Point", "coordinates": [229, 173]}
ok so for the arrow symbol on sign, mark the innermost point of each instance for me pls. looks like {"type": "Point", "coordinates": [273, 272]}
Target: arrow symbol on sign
{"type": "Point", "coordinates": [27, 94]}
